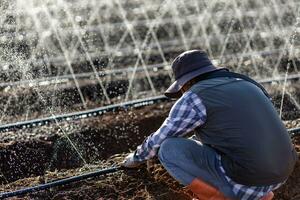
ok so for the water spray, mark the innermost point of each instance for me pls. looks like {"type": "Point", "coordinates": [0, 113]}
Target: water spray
{"type": "Point", "coordinates": [111, 108]}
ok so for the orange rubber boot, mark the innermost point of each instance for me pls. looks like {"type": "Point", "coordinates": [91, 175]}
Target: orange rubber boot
{"type": "Point", "coordinates": [204, 191]}
{"type": "Point", "coordinates": [269, 196]}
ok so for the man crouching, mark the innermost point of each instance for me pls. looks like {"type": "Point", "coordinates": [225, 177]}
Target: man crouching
{"type": "Point", "coordinates": [241, 149]}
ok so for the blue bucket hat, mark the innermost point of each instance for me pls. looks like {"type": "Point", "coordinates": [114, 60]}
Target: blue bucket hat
{"type": "Point", "coordinates": [187, 66]}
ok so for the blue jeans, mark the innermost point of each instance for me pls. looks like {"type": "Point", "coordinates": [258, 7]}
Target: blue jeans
{"type": "Point", "coordinates": [187, 159]}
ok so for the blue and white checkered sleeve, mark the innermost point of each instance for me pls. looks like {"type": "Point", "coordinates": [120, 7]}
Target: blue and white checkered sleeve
{"type": "Point", "coordinates": [186, 114]}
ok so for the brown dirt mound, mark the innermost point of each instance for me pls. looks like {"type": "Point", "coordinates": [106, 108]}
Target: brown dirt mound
{"type": "Point", "coordinates": [145, 183]}
{"type": "Point", "coordinates": [151, 182]}
{"type": "Point", "coordinates": [33, 151]}
{"type": "Point", "coordinates": [35, 156]}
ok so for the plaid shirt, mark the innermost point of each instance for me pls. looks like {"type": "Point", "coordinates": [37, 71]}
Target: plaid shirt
{"type": "Point", "coordinates": [187, 114]}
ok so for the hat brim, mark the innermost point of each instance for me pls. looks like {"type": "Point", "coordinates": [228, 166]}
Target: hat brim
{"type": "Point", "coordinates": [174, 90]}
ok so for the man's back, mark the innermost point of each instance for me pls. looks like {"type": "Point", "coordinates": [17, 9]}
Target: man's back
{"type": "Point", "coordinates": [243, 126]}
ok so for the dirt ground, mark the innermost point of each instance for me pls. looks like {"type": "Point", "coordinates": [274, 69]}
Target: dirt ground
{"type": "Point", "coordinates": [38, 155]}
{"type": "Point", "coordinates": [145, 183]}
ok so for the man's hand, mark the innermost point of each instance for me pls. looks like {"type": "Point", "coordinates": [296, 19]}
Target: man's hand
{"type": "Point", "coordinates": [131, 162]}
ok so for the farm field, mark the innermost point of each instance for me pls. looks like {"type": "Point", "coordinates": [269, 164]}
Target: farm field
{"type": "Point", "coordinates": [81, 85]}
{"type": "Point", "coordinates": [103, 142]}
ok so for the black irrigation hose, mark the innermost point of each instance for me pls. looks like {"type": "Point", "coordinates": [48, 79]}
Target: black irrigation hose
{"type": "Point", "coordinates": [293, 132]}
{"type": "Point", "coordinates": [103, 110]}
{"type": "Point", "coordinates": [59, 182]}
{"type": "Point", "coordinates": [82, 114]}
{"type": "Point", "coordinates": [280, 78]}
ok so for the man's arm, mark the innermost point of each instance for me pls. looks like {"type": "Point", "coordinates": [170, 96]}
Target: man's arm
{"type": "Point", "coordinates": [186, 114]}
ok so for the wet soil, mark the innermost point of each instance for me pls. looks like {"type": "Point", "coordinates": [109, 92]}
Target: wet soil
{"type": "Point", "coordinates": [33, 156]}
{"type": "Point", "coordinates": [148, 182]}
{"type": "Point", "coordinates": [33, 151]}
{"type": "Point", "coordinates": [95, 138]}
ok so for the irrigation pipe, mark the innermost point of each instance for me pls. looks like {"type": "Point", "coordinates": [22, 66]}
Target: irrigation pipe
{"type": "Point", "coordinates": [59, 182]}
{"type": "Point", "coordinates": [293, 132]}
{"type": "Point", "coordinates": [82, 114]}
